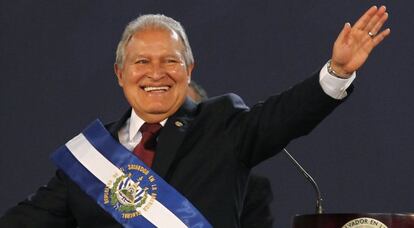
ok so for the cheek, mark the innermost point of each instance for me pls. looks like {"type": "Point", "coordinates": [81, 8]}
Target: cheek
{"type": "Point", "coordinates": [133, 76]}
{"type": "Point", "coordinates": [181, 75]}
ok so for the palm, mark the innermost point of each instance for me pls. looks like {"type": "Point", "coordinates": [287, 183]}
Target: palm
{"type": "Point", "coordinates": [354, 44]}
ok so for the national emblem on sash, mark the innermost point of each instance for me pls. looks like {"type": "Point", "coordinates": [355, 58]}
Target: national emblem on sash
{"type": "Point", "coordinates": [131, 193]}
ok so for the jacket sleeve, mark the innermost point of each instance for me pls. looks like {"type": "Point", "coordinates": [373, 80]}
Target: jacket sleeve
{"type": "Point", "coordinates": [45, 208]}
{"type": "Point", "coordinates": [265, 129]}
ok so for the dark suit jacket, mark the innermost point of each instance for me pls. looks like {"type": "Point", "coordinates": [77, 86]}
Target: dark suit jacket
{"type": "Point", "coordinates": [208, 159]}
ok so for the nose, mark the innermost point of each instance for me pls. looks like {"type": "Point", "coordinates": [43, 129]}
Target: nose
{"type": "Point", "coordinates": [157, 71]}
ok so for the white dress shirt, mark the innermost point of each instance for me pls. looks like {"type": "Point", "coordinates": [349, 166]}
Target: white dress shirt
{"type": "Point", "coordinates": [129, 135]}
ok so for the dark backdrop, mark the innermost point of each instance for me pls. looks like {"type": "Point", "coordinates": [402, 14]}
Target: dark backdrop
{"type": "Point", "coordinates": [56, 76]}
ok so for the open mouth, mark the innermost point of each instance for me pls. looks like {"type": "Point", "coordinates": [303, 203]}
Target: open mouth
{"type": "Point", "coordinates": [156, 88]}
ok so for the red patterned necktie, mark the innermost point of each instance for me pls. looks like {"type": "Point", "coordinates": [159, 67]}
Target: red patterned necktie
{"type": "Point", "coordinates": [145, 150]}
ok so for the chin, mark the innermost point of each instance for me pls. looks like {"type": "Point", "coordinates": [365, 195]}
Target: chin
{"type": "Point", "coordinates": [157, 107]}
{"type": "Point", "coordinates": [158, 110]}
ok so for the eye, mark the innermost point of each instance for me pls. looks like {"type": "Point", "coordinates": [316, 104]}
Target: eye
{"type": "Point", "coordinates": [142, 61]}
{"type": "Point", "coordinates": [172, 61]}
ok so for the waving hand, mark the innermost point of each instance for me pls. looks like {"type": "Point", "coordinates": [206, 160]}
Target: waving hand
{"type": "Point", "coordinates": [355, 43]}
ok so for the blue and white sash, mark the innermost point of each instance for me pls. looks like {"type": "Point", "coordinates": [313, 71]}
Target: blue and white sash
{"type": "Point", "coordinates": [122, 184]}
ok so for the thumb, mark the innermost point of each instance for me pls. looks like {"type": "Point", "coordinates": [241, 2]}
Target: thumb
{"type": "Point", "coordinates": [344, 33]}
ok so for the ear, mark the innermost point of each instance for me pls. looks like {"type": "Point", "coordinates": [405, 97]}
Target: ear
{"type": "Point", "coordinates": [189, 70]}
{"type": "Point", "coordinates": [118, 73]}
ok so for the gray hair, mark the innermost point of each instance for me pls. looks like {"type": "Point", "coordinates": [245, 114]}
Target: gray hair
{"type": "Point", "coordinates": [153, 21]}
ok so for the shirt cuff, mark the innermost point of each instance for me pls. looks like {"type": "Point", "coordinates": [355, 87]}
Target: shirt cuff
{"type": "Point", "coordinates": [333, 86]}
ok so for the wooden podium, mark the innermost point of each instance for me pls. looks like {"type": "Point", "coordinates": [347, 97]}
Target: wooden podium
{"type": "Point", "coordinates": [367, 220]}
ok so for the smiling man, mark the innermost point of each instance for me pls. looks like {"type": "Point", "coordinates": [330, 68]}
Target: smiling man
{"type": "Point", "coordinates": [154, 73]}
{"type": "Point", "coordinates": [169, 162]}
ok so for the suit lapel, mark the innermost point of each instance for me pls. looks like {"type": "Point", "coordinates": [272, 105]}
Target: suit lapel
{"type": "Point", "coordinates": [114, 127]}
{"type": "Point", "coordinates": [171, 138]}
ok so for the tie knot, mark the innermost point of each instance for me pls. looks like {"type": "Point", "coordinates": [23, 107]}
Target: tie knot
{"type": "Point", "coordinates": [151, 128]}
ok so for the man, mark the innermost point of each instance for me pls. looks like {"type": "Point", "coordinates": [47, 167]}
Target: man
{"type": "Point", "coordinates": [196, 92]}
{"type": "Point", "coordinates": [204, 152]}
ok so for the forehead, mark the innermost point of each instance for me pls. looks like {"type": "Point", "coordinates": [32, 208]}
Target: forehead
{"type": "Point", "coordinates": [155, 40]}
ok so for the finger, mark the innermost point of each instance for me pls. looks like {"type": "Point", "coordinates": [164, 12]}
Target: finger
{"type": "Point", "coordinates": [380, 37]}
{"type": "Point", "coordinates": [374, 20]}
{"type": "Point", "coordinates": [379, 24]}
{"type": "Point", "coordinates": [342, 37]}
{"type": "Point", "coordinates": [363, 21]}
{"type": "Point", "coordinates": [370, 44]}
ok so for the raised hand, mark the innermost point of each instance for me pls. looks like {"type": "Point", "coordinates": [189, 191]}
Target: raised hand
{"type": "Point", "coordinates": [354, 44]}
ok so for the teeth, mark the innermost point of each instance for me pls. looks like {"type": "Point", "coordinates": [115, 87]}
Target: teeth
{"type": "Point", "coordinates": [153, 88]}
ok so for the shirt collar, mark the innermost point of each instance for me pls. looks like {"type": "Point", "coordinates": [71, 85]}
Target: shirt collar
{"type": "Point", "coordinates": [135, 123]}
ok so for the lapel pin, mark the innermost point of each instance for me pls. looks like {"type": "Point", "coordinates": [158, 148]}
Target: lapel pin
{"type": "Point", "coordinates": [179, 123]}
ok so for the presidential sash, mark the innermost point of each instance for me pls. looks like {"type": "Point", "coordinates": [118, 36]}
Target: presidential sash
{"type": "Point", "coordinates": [122, 184]}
